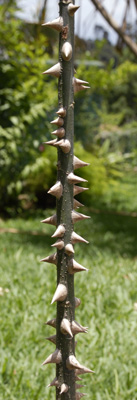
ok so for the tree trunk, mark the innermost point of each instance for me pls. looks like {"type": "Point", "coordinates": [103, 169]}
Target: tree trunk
{"type": "Point", "coordinates": [65, 204]}
{"type": "Point", "coordinates": [67, 367]}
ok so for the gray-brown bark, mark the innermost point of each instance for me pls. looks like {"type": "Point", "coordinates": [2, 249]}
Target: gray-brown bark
{"type": "Point", "coordinates": [66, 327]}
{"type": "Point", "coordinates": [126, 39]}
{"type": "Point", "coordinates": [65, 204]}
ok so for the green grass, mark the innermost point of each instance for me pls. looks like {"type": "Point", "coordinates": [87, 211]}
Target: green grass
{"type": "Point", "coordinates": [108, 293]}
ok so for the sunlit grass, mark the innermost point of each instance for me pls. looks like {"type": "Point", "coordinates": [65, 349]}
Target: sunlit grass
{"type": "Point", "coordinates": [107, 292]}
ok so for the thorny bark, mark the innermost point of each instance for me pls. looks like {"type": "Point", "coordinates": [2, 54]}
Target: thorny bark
{"type": "Point", "coordinates": [65, 205]}
{"type": "Point", "coordinates": [67, 367]}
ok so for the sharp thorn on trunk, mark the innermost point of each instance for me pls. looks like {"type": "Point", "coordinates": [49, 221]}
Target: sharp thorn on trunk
{"type": "Point", "coordinates": [77, 163]}
{"type": "Point", "coordinates": [59, 231]}
{"type": "Point", "coordinates": [65, 327]}
{"type": "Point", "coordinates": [75, 179]}
{"type": "Point", "coordinates": [51, 322]}
{"type": "Point", "coordinates": [75, 238]}
{"type": "Point", "coordinates": [69, 250]}
{"type": "Point", "coordinates": [56, 24]}
{"type": "Point", "coordinates": [56, 190]}
{"type": "Point", "coordinates": [58, 121]}
{"type": "Point", "coordinates": [52, 259]}
{"type": "Point", "coordinates": [61, 112]}
{"type": "Point", "coordinates": [55, 382]}
{"type": "Point", "coordinates": [52, 339]}
{"type": "Point", "coordinates": [64, 388]}
{"type": "Point", "coordinates": [60, 293]}
{"type": "Point", "coordinates": [66, 51]}
{"type": "Point", "coordinates": [77, 204]}
{"type": "Point", "coordinates": [78, 386]}
{"type": "Point", "coordinates": [60, 133]}
{"type": "Point", "coordinates": [64, 144]}
{"type": "Point", "coordinates": [59, 244]}
{"type": "Point", "coordinates": [72, 9]}
{"type": "Point", "coordinates": [51, 142]}
{"type": "Point", "coordinates": [55, 357]}
{"type": "Point", "coordinates": [77, 302]}
{"type": "Point", "coordinates": [51, 220]}
{"type": "Point", "coordinates": [72, 363]}
{"type": "Point", "coordinates": [77, 328]}
{"type": "Point", "coordinates": [78, 217]}
{"type": "Point", "coordinates": [78, 189]}
{"type": "Point", "coordinates": [54, 71]}
{"type": "Point", "coordinates": [74, 267]}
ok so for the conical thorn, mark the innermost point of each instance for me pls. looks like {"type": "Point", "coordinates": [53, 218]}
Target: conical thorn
{"type": "Point", "coordinates": [51, 220]}
{"type": "Point", "coordinates": [79, 81]}
{"type": "Point", "coordinates": [52, 259]}
{"type": "Point", "coordinates": [75, 179]}
{"type": "Point", "coordinates": [69, 250]}
{"type": "Point", "coordinates": [77, 302]}
{"type": "Point", "coordinates": [82, 371]}
{"type": "Point", "coordinates": [54, 71]}
{"type": "Point", "coordinates": [77, 328]}
{"type": "Point", "coordinates": [74, 267]}
{"type": "Point", "coordinates": [56, 190]}
{"type": "Point", "coordinates": [51, 322]}
{"type": "Point", "coordinates": [59, 232]}
{"type": "Point", "coordinates": [60, 133]}
{"type": "Point", "coordinates": [55, 24]}
{"type": "Point", "coordinates": [64, 388]}
{"type": "Point", "coordinates": [61, 112]}
{"type": "Point", "coordinates": [59, 244]}
{"type": "Point", "coordinates": [66, 51]}
{"type": "Point", "coordinates": [78, 386]}
{"type": "Point", "coordinates": [72, 9]}
{"type": "Point", "coordinates": [77, 204]}
{"type": "Point", "coordinates": [55, 382]}
{"type": "Point", "coordinates": [55, 357]}
{"type": "Point", "coordinates": [72, 363]}
{"type": "Point", "coordinates": [58, 121]}
{"type": "Point", "coordinates": [78, 189]}
{"type": "Point", "coordinates": [52, 339]}
{"type": "Point", "coordinates": [77, 88]}
{"type": "Point", "coordinates": [60, 293]}
{"type": "Point", "coordinates": [65, 327]}
{"type": "Point", "coordinates": [64, 144]}
{"type": "Point", "coordinates": [77, 163]}
{"type": "Point", "coordinates": [77, 378]}
{"type": "Point", "coordinates": [78, 216]}
{"type": "Point", "coordinates": [51, 142]}
{"type": "Point", "coordinates": [75, 238]}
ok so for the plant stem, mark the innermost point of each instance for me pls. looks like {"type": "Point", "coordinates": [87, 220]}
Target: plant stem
{"type": "Point", "coordinates": [65, 205]}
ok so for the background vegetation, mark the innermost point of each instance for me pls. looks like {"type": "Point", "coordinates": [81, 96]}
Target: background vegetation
{"type": "Point", "coordinates": [105, 136]}
{"type": "Point", "coordinates": [108, 305]}
{"type": "Point", "coordinates": [105, 119]}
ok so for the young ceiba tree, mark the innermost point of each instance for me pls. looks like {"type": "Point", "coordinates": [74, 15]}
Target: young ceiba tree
{"type": "Point", "coordinates": [68, 368]}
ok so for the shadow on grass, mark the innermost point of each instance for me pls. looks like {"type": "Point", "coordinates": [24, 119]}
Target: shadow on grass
{"type": "Point", "coordinates": [105, 232]}
{"type": "Point", "coordinates": [115, 233]}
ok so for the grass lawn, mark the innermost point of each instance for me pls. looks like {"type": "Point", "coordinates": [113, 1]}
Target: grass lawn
{"type": "Point", "coordinates": [108, 295]}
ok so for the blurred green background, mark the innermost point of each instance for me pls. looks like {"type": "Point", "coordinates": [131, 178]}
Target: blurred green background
{"type": "Point", "coordinates": [105, 118]}
{"type": "Point", "coordinates": [106, 137]}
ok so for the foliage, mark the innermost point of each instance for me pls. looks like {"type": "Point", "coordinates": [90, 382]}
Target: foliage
{"type": "Point", "coordinates": [117, 86]}
{"type": "Point", "coordinates": [26, 104]}
{"type": "Point", "coordinates": [111, 287]}
{"type": "Point", "coordinates": [112, 136]}
{"type": "Point", "coordinates": [105, 121]}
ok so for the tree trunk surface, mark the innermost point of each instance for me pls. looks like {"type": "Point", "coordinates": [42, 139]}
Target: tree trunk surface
{"type": "Point", "coordinates": [65, 205]}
